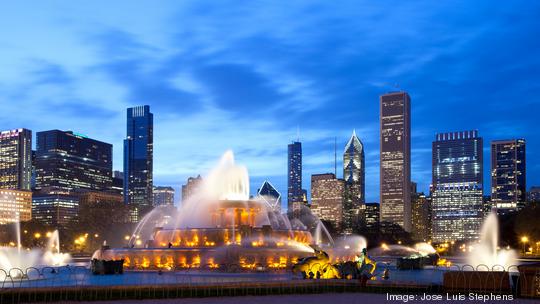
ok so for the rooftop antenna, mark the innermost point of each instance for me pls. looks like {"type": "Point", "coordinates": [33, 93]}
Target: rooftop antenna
{"type": "Point", "coordinates": [297, 133]}
{"type": "Point", "coordinates": [335, 156]}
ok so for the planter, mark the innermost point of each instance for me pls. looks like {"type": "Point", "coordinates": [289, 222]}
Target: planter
{"type": "Point", "coordinates": [529, 280]}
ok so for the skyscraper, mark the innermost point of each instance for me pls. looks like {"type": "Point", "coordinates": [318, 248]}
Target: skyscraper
{"type": "Point", "coordinates": [354, 176]}
{"type": "Point", "coordinates": [421, 217]}
{"type": "Point", "coordinates": [191, 187]}
{"type": "Point", "coordinates": [270, 195]}
{"type": "Point", "coordinates": [395, 159]}
{"type": "Point", "coordinates": [16, 159]}
{"type": "Point", "coordinates": [163, 196]}
{"type": "Point", "coordinates": [327, 198]}
{"type": "Point", "coordinates": [294, 173]}
{"type": "Point", "coordinates": [457, 186]}
{"type": "Point", "coordinates": [67, 162]}
{"type": "Point", "coordinates": [138, 158]}
{"type": "Point", "coordinates": [508, 175]}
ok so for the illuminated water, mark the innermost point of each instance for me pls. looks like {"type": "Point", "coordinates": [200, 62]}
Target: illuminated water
{"type": "Point", "coordinates": [487, 251]}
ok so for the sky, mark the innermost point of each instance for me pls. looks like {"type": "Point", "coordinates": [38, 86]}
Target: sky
{"type": "Point", "coordinates": [248, 75]}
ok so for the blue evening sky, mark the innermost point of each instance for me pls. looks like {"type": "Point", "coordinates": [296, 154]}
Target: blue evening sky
{"type": "Point", "coordinates": [245, 75]}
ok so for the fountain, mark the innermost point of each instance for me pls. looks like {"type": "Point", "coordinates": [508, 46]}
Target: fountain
{"type": "Point", "coordinates": [16, 257]}
{"type": "Point", "coordinates": [221, 227]}
{"type": "Point", "coordinates": [486, 252]}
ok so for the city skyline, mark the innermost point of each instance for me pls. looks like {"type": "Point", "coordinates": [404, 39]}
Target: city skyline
{"type": "Point", "coordinates": [88, 89]}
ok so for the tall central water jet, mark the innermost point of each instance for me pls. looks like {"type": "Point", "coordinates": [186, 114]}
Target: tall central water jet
{"type": "Point", "coordinates": [487, 252]}
{"type": "Point", "coordinates": [228, 181]}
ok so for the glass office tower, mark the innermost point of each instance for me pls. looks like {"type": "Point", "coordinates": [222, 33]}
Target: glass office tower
{"type": "Point", "coordinates": [138, 160]}
{"type": "Point", "coordinates": [16, 159]}
{"type": "Point", "coordinates": [457, 186]}
{"type": "Point", "coordinates": [354, 176]}
{"type": "Point", "coordinates": [508, 175]}
{"type": "Point", "coordinates": [294, 174]}
{"type": "Point", "coordinates": [67, 162]}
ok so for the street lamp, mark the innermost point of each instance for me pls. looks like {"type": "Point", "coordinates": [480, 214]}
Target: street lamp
{"type": "Point", "coordinates": [524, 240]}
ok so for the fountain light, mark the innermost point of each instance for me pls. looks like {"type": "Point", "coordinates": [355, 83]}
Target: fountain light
{"type": "Point", "coordinates": [48, 234]}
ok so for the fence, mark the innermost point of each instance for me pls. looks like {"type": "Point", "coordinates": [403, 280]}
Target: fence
{"type": "Point", "coordinates": [76, 283]}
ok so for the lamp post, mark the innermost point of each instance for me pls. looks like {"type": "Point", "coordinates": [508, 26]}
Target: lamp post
{"type": "Point", "coordinates": [524, 240]}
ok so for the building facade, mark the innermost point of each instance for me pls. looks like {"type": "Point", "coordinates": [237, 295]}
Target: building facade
{"type": "Point", "coordinates": [294, 173]}
{"type": "Point", "coordinates": [15, 206]}
{"type": "Point", "coordinates": [94, 198]}
{"type": "Point", "coordinates": [269, 194]}
{"type": "Point", "coordinates": [533, 196]}
{"type": "Point", "coordinates": [395, 159]}
{"type": "Point", "coordinates": [372, 217]}
{"type": "Point", "coordinates": [354, 177]}
{"type": "Point", "coordinates": [457, 180]}
{"type": "Point", "coordinates": [55, 209]}
{"type": "Point", "coordinates": [163, 196]}
{"type": "Point", "coordinates": [93, 205]}
{"type": "Point", "coordinates": [67, 162]}
{"type": "Point", "coordinates": [16, 159]}
{"type": "Point", "coordinates": [138, 158]}
{"type": "Point", "coordinates": [421, 217]}
{"type": "Point", "coordinates": [191, 187]}
{"type": "Point", "coordinates": [508, 175]}
{"type": "Point", "coordinates": [327, 198]}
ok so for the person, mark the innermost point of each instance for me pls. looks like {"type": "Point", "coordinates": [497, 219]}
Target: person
{"type": "Point", "coordinates": [170, 245]}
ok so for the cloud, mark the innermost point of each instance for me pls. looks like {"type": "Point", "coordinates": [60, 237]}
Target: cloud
{"type": "Point", "coordinates": [222, 76]}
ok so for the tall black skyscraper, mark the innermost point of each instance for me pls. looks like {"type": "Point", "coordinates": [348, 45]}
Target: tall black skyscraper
{"type": "Point", "coordinates": [138, 158]}
{"type": "Point", "coordinates": [67, 162]}
{"type": "Point", "coordinates": [457, 203]}
{"type": "Point", "coordinates": [294, 173]}
{"type": "Point", "coordinates": [15, 159]}
{"type": "Point", "coordinates": [508, 175]}
{"type": "Point", "coordinates": [354, 176]}
{"type": "Point", "coordinates": [395, 164]}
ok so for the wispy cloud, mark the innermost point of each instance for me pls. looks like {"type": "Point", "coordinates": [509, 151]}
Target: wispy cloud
{"type": "Point", "coordinates": [222, 76]}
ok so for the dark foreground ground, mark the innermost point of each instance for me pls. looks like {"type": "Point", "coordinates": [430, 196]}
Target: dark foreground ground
{"type": "Point", "coordinates": [327, 298]}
